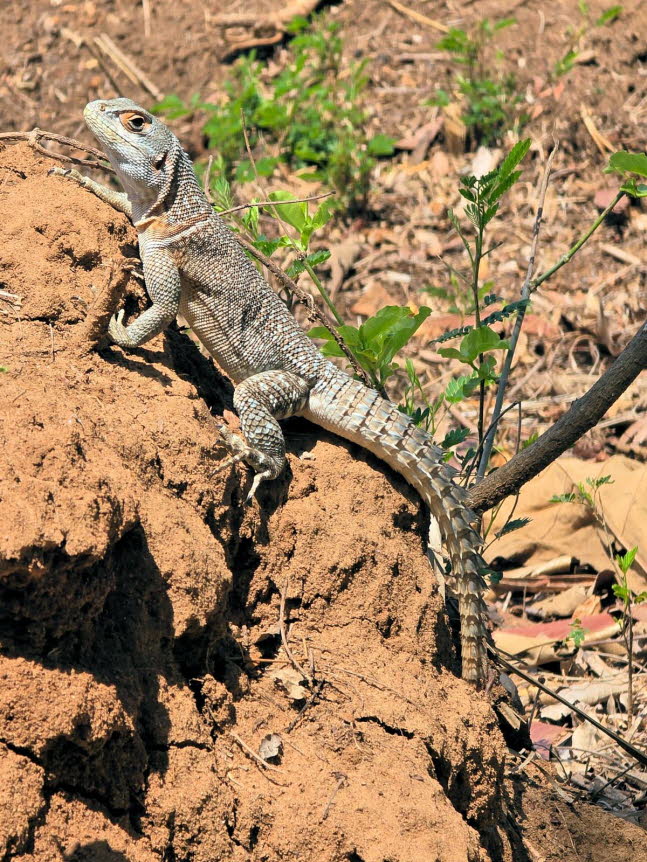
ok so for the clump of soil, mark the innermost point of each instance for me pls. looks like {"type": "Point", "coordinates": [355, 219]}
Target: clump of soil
{"type": "Point", "coordinates": [141, 604]}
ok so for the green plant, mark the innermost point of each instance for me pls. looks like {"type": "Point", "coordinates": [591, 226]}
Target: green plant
{"type": "Point", "coordinates": [309, 116]}
{"type": "Point", "coordinates": [577, 37]}
{"type": "Point", "coordinates": [581, 495]}
{"type": "Point", "coordinates": [628, 597]}
{"type": "Point", "coordinates": [376, 341]}
{"type": "Point", "coordinates": [482, 195]}
{"type": "Point", "coordinates": [489, 97]}
{"type": "Point", "coordinates": [577, 633]}
{"type": "Point", "coordinates": [587, 494]}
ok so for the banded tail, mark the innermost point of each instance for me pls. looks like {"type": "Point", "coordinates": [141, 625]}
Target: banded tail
{"type": "Point", "coordinates": [347, 408]}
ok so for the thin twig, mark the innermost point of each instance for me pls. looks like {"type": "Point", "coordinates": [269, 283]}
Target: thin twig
{"type": "Point", "coordinates": [632, 750]}
{"type": "Point", "coordinates": [127, 65]}
{"type": "Point", "coordinates": [466, 478]}
{"type": "Point", "coordinates": [341, 780]}
{"type": "Point", "coordinates": [275, 203]}
{"type": "Point", "coordinates": [525, 295]}
{"type": "Point", "coordinates": [256, 757]}
{"type": "Point", "coordinates": [536, 282]}
{"type": "Point", "coordinates": [284, 637]}
{"type": "Point", "coordinates": [36, 134]}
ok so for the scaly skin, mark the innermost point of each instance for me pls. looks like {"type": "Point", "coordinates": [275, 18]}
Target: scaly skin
{"type": "Point", "coordinates": [194, 265]}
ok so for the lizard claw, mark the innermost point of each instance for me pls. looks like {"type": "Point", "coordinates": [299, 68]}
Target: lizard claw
{"type": "Point", "coordinates": [116, 329]}
{"type": "Point", "coordinates": [241, 451]}
{"type": "Point", "coordinates": [70, 173]}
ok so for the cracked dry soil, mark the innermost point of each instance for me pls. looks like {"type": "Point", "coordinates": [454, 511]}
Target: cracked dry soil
{"type": "Point", "coordinates": [140, 601]}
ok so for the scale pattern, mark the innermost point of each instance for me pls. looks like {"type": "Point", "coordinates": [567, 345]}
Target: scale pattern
{"type": "Point", "coordinates": [194, 265]}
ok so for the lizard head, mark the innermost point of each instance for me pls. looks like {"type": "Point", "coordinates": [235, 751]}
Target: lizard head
{"type": "Point", "coordinates": [141, 149]}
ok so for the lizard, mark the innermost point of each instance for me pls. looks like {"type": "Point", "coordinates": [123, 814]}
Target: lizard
{"type": "Point", "coordinates": [193, 265]}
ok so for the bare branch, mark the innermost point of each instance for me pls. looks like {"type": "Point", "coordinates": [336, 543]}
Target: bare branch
{"type": "Point", "coordinates": [582, 416]}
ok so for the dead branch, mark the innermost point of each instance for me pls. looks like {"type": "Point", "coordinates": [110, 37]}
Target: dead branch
{"type": "Point", "coordinates": [35, 135]}
{"type": "Point", "coordinates": [582, 416]}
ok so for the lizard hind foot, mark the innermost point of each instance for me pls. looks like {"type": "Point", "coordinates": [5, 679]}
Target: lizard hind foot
{"type": "Point", "coordinates": [240, 450]}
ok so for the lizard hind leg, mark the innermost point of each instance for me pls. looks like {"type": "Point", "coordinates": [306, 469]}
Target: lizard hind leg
{"type": "Point", "coordinates": [260, 401]}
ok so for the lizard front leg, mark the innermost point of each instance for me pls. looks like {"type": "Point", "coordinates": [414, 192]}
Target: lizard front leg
{"type": "Point", "coordinates": [163, 286]}
{"type": "Point", "coordinates": [259, 401]}
{"type": "Point", "coordinates": [118, 200]}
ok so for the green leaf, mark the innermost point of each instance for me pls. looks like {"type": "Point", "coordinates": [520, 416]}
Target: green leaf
{"type": "Point", "coordinates": [322, 215]}
{"type": "Point", "coordinates": [460, 388]}
{"type": "Point", "coordinates": [451, 353]}
{"type": "Point", "coordinates": [515, 524]}
{"type": "Point", "coordinates": [295, 214]}
{"type": "Point", "coordinates": [513, 158]}
{"type": "Point", "coordinates": [621, 591]}
{"type": "Point", "coordinates": [271, 115]}
{"type": "Point", "coordinates": [245, 172]}
{"type": "Point", "coordinates": [622, 162]}
{"type": "Point", "coordinates": [636, 190]}
{"type": "Point", "coordinates": [269, 246]}
{"type": "Point", "coordinates": [610, 15]}
{"type": "Point", "coordinates": [171, 106]}
{"type": "Point", "coordinates": [380, 145]}
{"type": "Point", "coordinates": [296, 267]}
{"type": "Point", "coordinates": [625, 561]}
{"type": "Point", "coordinates": [532, 439]}
{"type": "Point", "coordinates": [477, 341]}
{"type": "Point", "coordinates": [265, 166]}
{"type": "Point", "coordinates": [317, 257]}
{"type": "Point", "coordinates": [563, 498]}
{"type": "Point", "coordinates": [454, 437]}
{"type": "Point", "coordinates": [601, 480]}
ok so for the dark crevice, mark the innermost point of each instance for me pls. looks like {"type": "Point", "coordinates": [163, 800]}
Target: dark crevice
{"type": "Point", "coordinates": [187, 743]}
{"type": "Point", "coordinates": [454, 782]}
{"type": "Point", "coordinates": [387, 728]}
{"type": "Point", "coordinates": [23, 752]}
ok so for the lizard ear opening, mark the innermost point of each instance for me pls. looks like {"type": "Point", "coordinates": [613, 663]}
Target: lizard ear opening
{"type": "Point", "coordinates": [158, 161]}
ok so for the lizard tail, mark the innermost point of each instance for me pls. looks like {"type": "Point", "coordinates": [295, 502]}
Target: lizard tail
{"type": "Point", "coordinates": [347, 408]}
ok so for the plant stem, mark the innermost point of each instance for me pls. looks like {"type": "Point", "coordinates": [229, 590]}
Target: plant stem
{"type": "Point", "coordinates": [478, 253]}
{"type": "Point", "coordinates": [516, 331]}
{"type": "Point", "coordinates": [324, 293]}
{"type": "Point", "coordinates": [534, 284]}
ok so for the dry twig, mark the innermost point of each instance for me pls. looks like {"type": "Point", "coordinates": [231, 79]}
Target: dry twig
{"type": "Point", "coordinates": [36, 134]}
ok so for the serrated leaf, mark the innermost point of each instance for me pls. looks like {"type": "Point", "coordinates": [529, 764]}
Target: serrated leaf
{"type": "Point", "coordinates": [454, 437]}
{"type": "Point", "coordinates": [513, 158]}
{"type": "Point", "coordinates": [515, 524]}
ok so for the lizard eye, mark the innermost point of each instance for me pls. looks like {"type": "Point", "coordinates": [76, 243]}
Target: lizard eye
{"type": "Point", "coordinates": [134, 122]}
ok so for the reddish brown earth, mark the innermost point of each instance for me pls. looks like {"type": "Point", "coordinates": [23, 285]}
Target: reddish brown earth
{"type": "Point", "coordinates": [140, 600]}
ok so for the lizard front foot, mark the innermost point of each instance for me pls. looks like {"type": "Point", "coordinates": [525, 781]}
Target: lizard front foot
{"type": "Point", "coordinates": [240, 450]}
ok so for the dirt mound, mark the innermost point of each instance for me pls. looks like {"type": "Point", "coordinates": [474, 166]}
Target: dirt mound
{"type": "Point", "coordinates": [141, 603]}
